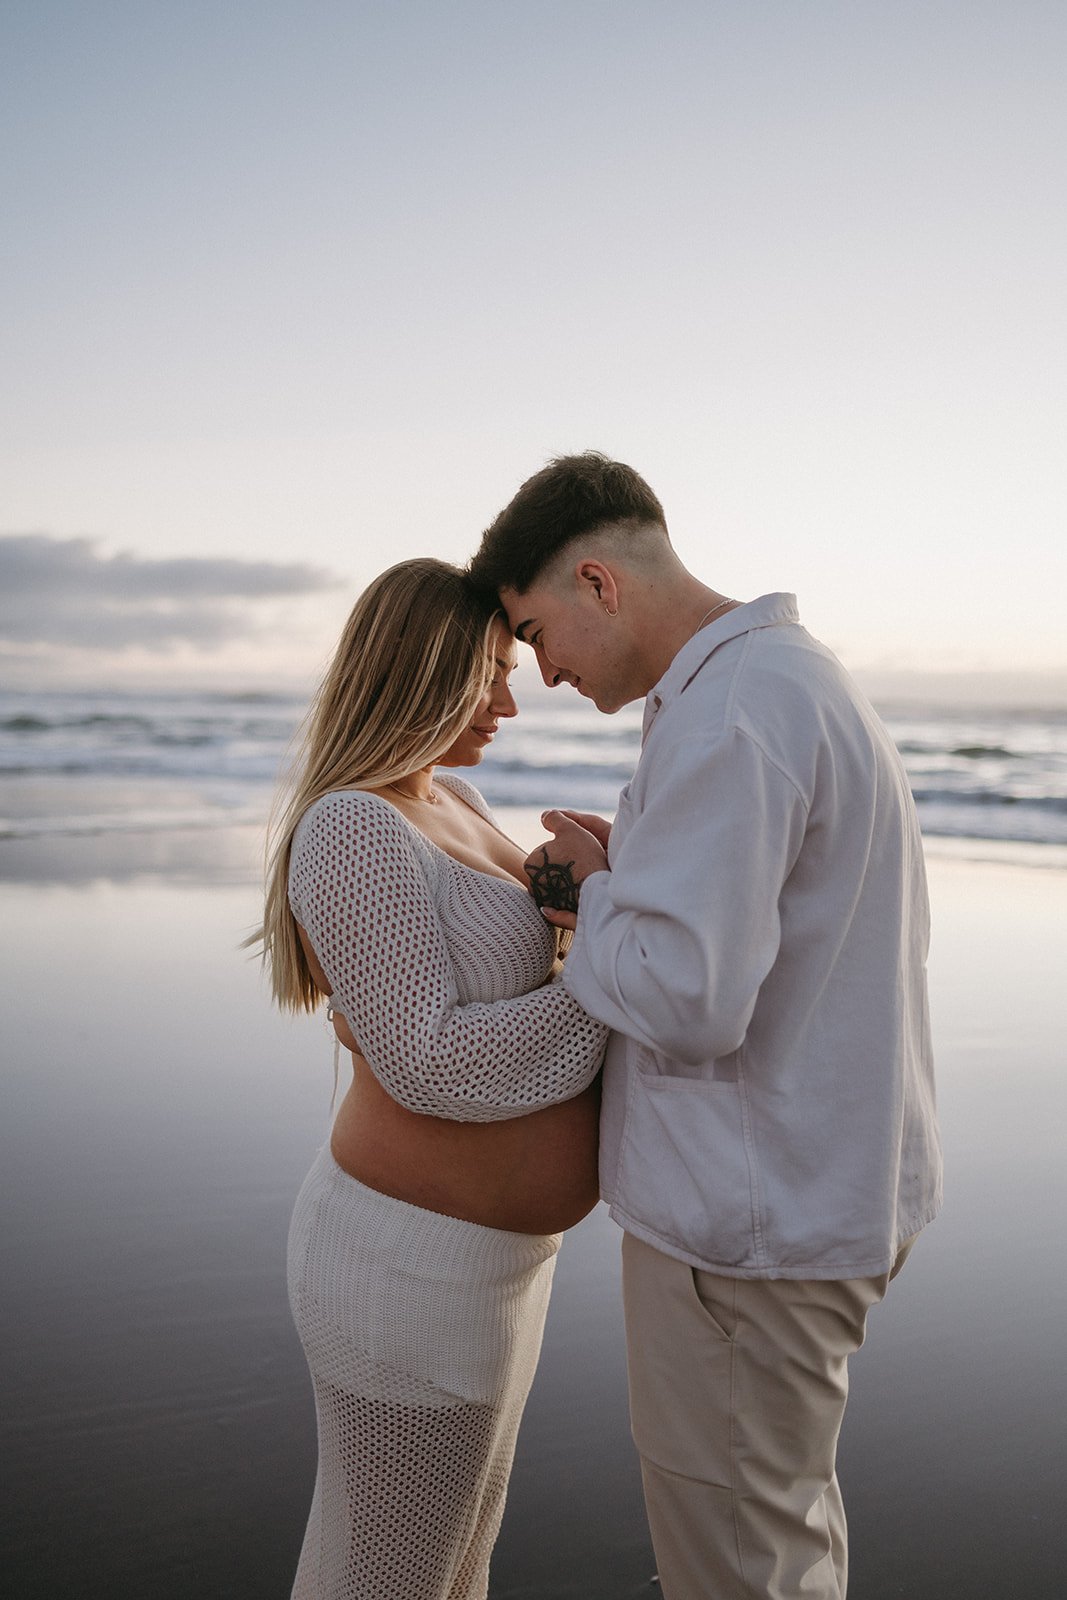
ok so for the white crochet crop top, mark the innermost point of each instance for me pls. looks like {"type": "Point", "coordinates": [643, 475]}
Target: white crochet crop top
{"type": "Point", "coordinates": [439, 969]}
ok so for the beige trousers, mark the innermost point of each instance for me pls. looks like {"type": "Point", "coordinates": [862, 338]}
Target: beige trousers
{"type": "Point", "coordinates": [737, 1391]}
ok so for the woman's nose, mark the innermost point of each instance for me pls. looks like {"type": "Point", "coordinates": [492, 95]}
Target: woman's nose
{"type": "Point", "coordinates": [502, 701]}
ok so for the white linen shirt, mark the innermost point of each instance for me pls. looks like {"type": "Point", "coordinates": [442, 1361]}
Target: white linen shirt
{"type": "Point", "coordinates": [759, 945]}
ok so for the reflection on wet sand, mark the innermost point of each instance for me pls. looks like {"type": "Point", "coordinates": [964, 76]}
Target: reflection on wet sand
{"type": "Point", "coordinates": [159, 1118]}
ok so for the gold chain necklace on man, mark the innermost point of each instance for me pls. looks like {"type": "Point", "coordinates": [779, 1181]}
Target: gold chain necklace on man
{"type": "Point", "coordinates": [711, 613]}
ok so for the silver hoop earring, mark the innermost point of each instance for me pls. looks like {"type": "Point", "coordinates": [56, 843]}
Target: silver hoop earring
{"type": "Point", "coordinates": [610, 612]}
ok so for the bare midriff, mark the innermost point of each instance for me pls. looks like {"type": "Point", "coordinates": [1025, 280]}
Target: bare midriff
{"type": "Point", "coordinates": [531, 1174]}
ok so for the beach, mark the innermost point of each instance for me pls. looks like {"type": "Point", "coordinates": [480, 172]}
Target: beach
{"type": "Point", "coordinates": [294, 295]}
{"type": "Point", "coordinates": [159, 1117]}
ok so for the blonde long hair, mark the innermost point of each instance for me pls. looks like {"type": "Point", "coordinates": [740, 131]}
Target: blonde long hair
{"type": "Point", "coordinates": [412, 663]}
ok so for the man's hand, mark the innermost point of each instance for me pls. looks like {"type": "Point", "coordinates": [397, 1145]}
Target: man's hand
{"type": "Point", "coordinates": [599, 827]}
{"type": "Point", "coordinates": [557, 871]}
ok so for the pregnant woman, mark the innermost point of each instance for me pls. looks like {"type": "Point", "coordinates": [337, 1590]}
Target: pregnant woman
{"type": "Point", "coordinates": [424, 1238]}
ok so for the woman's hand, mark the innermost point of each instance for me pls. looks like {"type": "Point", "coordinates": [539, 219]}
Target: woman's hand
{"type": "Point", "coordinates": [560, 919]}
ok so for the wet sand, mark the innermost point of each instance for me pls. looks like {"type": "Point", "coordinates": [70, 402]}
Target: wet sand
{"type": "Point", "coordinates": [159, 1117]}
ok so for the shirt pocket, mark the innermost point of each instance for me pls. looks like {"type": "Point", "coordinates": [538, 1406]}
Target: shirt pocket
{"type": "Point", "coordinates": [687, 1169]}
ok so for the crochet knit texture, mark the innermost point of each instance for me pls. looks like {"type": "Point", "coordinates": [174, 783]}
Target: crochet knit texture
{"type": "Point", "coordinates": [421, 1331]}
{"type": "Point", "coordinates": [438, 968]}
{"type": "Point", "coordinates": [422, 1335]}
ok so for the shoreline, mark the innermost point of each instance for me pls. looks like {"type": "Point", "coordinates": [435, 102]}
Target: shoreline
{"type": "Point", "coordinates": [209, 850]}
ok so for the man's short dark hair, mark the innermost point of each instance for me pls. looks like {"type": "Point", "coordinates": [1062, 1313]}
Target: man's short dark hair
{"type": "Point", "coordinates": [568, 497]}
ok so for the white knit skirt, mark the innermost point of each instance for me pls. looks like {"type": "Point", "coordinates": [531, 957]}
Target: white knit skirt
{"type": "Point", "coordinates": [422, 1334]}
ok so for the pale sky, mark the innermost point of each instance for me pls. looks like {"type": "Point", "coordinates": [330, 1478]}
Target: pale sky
{"type": "Point", "coordinates": [291, 291]}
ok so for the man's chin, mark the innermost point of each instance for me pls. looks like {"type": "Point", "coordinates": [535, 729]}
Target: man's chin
{"type": "Point", "coordinates": [599, 697]}
{"type": "Point", "coordinates": [602, 699]}
{"type": "Point", "coordinates": [609, 705]}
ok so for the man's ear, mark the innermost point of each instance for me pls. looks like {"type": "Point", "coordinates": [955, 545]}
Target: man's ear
{"type": "Point", "coordinates": [598, 581]}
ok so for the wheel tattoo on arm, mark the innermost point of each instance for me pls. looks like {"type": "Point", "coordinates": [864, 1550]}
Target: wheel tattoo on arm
{"type": "Point", "coordinates": [552, 883]}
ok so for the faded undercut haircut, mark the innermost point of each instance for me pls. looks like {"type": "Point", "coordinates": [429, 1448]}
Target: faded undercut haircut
{"type": "Point", "coordinates": [570, 496]}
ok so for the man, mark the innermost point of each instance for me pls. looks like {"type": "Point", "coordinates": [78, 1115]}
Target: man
{"type": "Point", "coordinates": [754, 926]}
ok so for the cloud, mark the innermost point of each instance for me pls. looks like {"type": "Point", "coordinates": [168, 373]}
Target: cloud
{"type": "Point", "coordinates": [66, 592]}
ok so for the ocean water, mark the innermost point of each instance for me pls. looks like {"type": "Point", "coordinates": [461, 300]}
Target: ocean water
{"type": "Point", "coordinates": [156, 761]}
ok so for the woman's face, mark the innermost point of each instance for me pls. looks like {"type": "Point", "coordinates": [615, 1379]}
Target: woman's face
{"type": "Point", "coordinates": [497, 701]}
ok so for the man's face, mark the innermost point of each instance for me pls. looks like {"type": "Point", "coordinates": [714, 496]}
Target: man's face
{"type": "Point", "coordinates": [574, 640]}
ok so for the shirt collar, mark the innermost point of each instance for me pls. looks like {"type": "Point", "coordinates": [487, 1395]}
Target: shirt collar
{"type": "Point", "coordinates": [769, 611]}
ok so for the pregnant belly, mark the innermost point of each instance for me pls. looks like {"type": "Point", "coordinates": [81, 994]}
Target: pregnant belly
{"type": "Point", "coordinates": [532, 1174]}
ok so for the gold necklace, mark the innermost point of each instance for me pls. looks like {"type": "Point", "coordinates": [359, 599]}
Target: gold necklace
{"type": "Point", "coordinates": [711, 613]}
{"type": "Point", "coordinates": [430, 799]}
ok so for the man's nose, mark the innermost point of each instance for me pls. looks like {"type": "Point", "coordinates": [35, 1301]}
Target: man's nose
{"type": "Point", "coordinates": [552, 675]}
